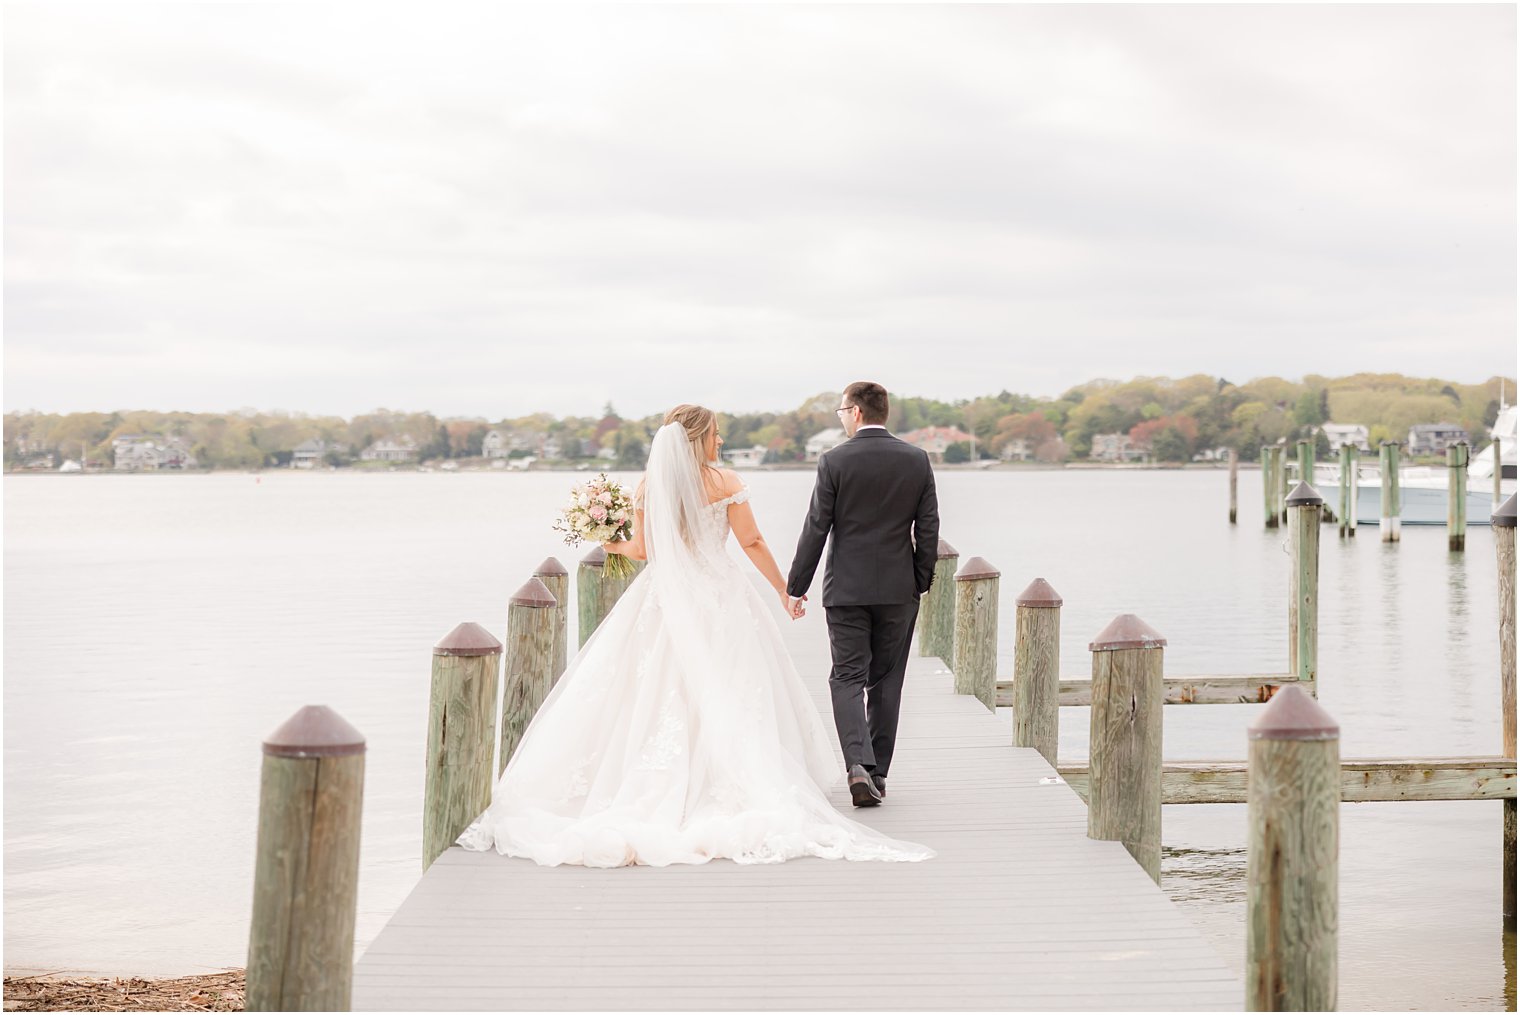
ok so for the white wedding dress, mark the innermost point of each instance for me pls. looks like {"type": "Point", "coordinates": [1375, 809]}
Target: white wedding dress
{"type": "Point", "coordinates": [681, 732]}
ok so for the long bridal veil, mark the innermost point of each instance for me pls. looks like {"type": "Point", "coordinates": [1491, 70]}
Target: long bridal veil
{"type": "Point", "coordinates": [681, 732]}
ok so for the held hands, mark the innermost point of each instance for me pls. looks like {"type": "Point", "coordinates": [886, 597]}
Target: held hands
{"type": "Point", "coordinates": [791, 607]}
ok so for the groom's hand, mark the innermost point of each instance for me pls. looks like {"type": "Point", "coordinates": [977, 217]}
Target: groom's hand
{"type": "Point", "coordinates": [797, 611]}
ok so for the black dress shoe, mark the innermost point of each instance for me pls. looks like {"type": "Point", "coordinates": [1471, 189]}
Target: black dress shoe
{"type": "Point", "coordinates": [863, 791]}
{"type": "Point", "coordinates": [880, 781]}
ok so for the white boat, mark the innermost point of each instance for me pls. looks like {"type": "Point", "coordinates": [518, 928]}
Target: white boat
{"type": "Point", "coordinates": [1422, 488]}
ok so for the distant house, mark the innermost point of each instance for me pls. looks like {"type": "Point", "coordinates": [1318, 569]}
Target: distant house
{"type": "Point", "coordinates": [745, 458]}
{"type": "Point", "coordinates": [1115, 447]}
{"type": "Point", "coordinates": [308, 454]}
{"type": "Point", "coordinates": [41, 463]}
{"type": "Point", "coordinates": [1434, 438]}
{"type": "Point", "coordinates": [822, 441]}
{"type": "Point", "coordinates": [1346, 433]}
{"type": "Point", "coordinates": [1017, 450]}
{"type": "Point", "coordinates": [135, 452]}
{"type": "Point", "coordinates": [935, 439]}
{"type": "Point", "coordinates": [400, 449]}
{"type": "Point", "coordinates": [1212, 455]}
{"type": "Point", "coordinates": [494, 445]}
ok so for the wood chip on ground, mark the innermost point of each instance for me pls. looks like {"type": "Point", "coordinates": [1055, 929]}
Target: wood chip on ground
{"type": "Point", "coordinates": [52, 992]}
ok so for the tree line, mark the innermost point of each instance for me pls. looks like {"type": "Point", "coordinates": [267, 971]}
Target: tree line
{"type": "Point", "coordinates": [1170, 419]}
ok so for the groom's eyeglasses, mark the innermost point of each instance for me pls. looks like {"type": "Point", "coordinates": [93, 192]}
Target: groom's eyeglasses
{"type": "Point", "coordinates": [845, 409]}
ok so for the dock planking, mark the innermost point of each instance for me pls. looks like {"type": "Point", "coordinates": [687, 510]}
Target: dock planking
{"type": "Point", "coordinates": [1019, 909]}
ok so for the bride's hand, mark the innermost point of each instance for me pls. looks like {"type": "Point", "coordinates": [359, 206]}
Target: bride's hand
{"type": "Point", "coordinates": [793, 610]}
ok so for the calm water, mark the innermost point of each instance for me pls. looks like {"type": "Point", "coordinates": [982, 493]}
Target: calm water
{"type": "Point", "coordinates": [157, 627]}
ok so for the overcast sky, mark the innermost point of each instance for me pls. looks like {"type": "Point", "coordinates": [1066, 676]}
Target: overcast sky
{"type": "Point", "coordinates": [495, 210]}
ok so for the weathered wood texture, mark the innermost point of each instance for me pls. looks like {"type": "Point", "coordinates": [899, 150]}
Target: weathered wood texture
{"type": "Point", "coordinates": [1282, 485]}
{"type": "Point", "coordinates": [461, 741]}
{"type": "Point", "coordinates": [1456, 496]}
{"type": "Point", "coordinates": [1234, 483]}
{"type": "Point", "coordinates": [1388, 518]}
{"type": "Point", "coordinates": [935, 626]}
{"type": "Point", "coordinates": [1036, 680]}
{"type": "Point", "coordinates": [1018, 911]}
{"type": "Point", "coordinates": [557, 581]}
{"type": "Point", "coordinates": [529, 673]}
{"type": "Point", "coordinates": [1303, 591]}
{"type": "Point", "coordinates": [1193, 690]}
{"type": "Point", "coordinates": [1362, 780]}
{"type": "Point", "coordinates": [588, 594]}
{"type": "Point", "coordinates": [1124, 744]}
{"type": "Point", "coordinates": [1293, 861]}
{"type": "Point", "coordinates": [1504, 547]}
{"type": "Point", "coordinates": [1268, 488]}
{"type": "Point", "coordinates": [1347, 491]}
{"type": "Point", "coordinates": [976, 634]}
{"type": "Point", "coordinates": [306, 875]}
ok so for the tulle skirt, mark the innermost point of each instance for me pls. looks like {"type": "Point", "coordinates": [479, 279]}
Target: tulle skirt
{"type": "Point", "coordinates": [681, 733]}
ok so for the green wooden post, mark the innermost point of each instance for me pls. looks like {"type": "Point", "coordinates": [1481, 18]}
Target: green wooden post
{"type": "Point", "coordinates": [935, 625]}
{"type": "Point", "coordinates": [1268, 506]}
{"type": "Point", "coordinates": [557, 580]}
{"type": "Point", "coordinates": [1124, 740]}
{"type": "Point", "coordinates": [1292, 867]}
{"type": "Point", "coordinates": [1456, 496]}
{"type": "Point", "coordinates": [1498, 473]}
{"type": "Point", "coordinates": [1282, 484]}
{"type": "Point", "coordinates": [306, 872]}
{"type": "Point", "coordinates": [1306, 462]}
{"type": "Point", "coordinates": [1303, 602]}
{"type": "Point", "coordinates": [530, 663]}
{"type": "Point", "coordinates": [1344, 489]}
{"type": "Point", "coordinates": [461, 735]}
{"type": "Point", "coordinates": [1388, 521]}
{"type": "Point", "coordinates": [1353, 492]}
{"type": "Point", "coordinates": [588, 593]}
{"type": "Point", "coordinates": [1504, 544]}
{"type": "Point", "coordinates": [976, 635]}
{"type": "Point", "coordinates": [1037, 669]}
{"type": "Point", "coordinates": [1234, 482]}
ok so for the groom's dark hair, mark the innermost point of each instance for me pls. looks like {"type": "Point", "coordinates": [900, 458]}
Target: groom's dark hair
{"type": "Point", "coordinates": [872, 399]}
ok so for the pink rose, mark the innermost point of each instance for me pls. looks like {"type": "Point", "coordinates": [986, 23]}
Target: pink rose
{"type": "Point", "coordinates": [605, 498]}
{"type": "Point", "coordinates": [598, 513]}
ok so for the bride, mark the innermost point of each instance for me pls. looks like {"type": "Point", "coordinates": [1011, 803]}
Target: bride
{"type": "Point", "coordinates": [681, 732]}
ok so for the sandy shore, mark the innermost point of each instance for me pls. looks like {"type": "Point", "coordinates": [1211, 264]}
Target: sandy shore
{"type": "Point", "coordinates": [57, 992]}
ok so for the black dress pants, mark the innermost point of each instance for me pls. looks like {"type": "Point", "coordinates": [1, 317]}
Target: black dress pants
{"type": "Point", "coordinates": [869, 645]}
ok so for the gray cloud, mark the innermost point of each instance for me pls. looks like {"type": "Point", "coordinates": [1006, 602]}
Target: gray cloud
{"type": "Point", "coordinates": [494, 210]}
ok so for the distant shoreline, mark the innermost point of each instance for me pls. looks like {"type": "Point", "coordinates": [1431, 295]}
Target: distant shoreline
{"type": "Point", "coordinates": [778, 467]}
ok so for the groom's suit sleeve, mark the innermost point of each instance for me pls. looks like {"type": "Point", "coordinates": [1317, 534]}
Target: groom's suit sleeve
{"type": "Point", "coordinates": [926, 534]}
{"type": "Point", "coordinates": [820, 519]}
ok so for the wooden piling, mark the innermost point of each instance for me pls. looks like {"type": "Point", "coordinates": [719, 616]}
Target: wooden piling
{"type": "Point", "coordinates": [935, 625]}
{"type": "Point", "coordinates": [976, 615]}
{"type": "Point", "coordinates": [1303, 585]}
{"type": "Point", "coordinates": [1346, 488]}
{"type": "Point", "coordinates": [1388, 515]}
{"type": "Point", "coordinates": [1353, 492]}
{"type": "Point", "coordinates": [1037, 669]}
{"type": "Point", "coordinates": [1282, 484]}
{"type": "Point", "coordinates": [306, 874]}
{"type": "Point", "coordinates": [530, 663]}
{"type": "Point", "coordinates": [1306, 462]}
{"type": "Point", "coordinates": [1234, 482]}
{"type": "Point", "coordinates": [461, 736]}
{"type": "Point", "coordinates": [1498, 472]}
{"type": "Point", "coordinates": [557, 580]}
{"type": "Point", "coordinates": [1293, 816]}
{"type": "Point", "coordinates": [1124, 743]}
{"type": "Point", "coordinates": [588, 593]}
{"type": "Point", "coordinates": [1268, 486]}
{"type": "Point", "coordinates": [1504, 542]}
{"type": "Point", "coordinates": [1456, 496]}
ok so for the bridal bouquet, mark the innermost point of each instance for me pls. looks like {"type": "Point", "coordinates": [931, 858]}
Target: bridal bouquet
{"type": "Point", "coordinates": [599, 512]}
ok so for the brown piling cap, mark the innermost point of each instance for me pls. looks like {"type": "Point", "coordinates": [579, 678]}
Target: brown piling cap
{"type": "Point", "coordinates": [1504, 518]}
{"type": "Point", "coordinates": [1126, 631]}
{"type": "Point", "coordinates": [467, 640]}
{"type": "Point", "coordinates": [975, 568]}
{"type": "Point", "coordinates": [1039, 594]}
{"type": "Point", "coordinates": [1293, 715]}
{"type": "Point", "coordinates": [316, 731]}
{"type": "Point", "coordinates": [596, 558]}
{"type": "Point", "coordinates": [551, 567]}
{"type": "Point", "coordinates": [534, 593]}
{"type": "Point", "coordinates": [946, 550]}
{"type": "Point", "coordinates": [1304, 495]}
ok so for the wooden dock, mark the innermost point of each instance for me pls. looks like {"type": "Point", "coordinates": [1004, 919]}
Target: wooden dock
{"type": "Point", "coordinates": [1020, 910]}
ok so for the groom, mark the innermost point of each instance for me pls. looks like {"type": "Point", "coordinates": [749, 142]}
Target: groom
{"type": "Point", "coordinates": [875, 494]}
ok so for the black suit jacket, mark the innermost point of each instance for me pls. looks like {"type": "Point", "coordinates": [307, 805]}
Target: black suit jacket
{"type": "Point", "coordinates": [875, 495]}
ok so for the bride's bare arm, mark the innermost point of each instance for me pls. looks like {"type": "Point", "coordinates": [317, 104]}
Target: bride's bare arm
{"type": "Point", "coordinates": [633, 548]}
{"type": "Point", "coordinates": [741, 519]}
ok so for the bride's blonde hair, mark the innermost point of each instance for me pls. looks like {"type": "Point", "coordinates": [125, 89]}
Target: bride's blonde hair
{"type": "Point", "coordinates": [698, 422]}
